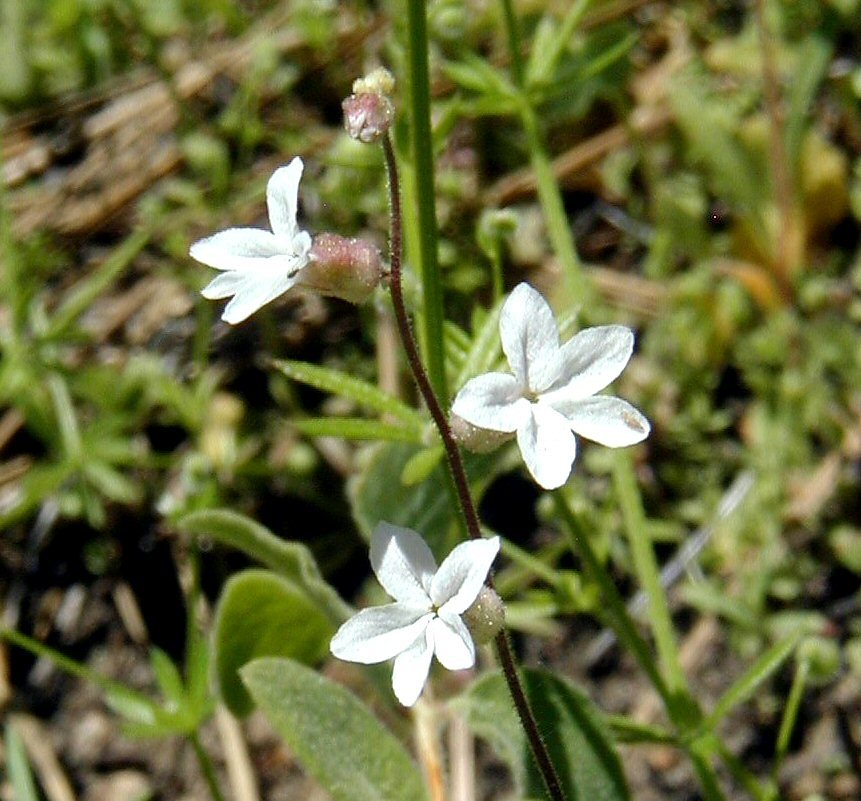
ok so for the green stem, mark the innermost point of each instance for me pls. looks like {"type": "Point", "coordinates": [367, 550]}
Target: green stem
{"type": "Point", "coordinates": [790, 712]}
{"type": "Point", "coordinates": [614, 605]}
{"type": "Point", "coordinates": [705, 773]}
{"type": "Point", "coordinates": [549, 194]}
{"type": "Point", "coordinates": [424, 198]}
{"type": "Point", "coordinates": [206, 767]}
{"type": "Point", "coordinates": [648, 575]}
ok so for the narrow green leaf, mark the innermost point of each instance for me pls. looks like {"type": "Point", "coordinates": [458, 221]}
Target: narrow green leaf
{"type": "Point", "coordinates": [18, 768]}
{"type": "Point", "coordinates": [573, 729]}
{"type": "Point", "coordinates": [167, 676]}
{"type": "Point", "coordinates": [290, 559]}
{"type": "Point", "coordinates": [347, 386]}
{"type": "Point", "coordinates": [626, 730]}
{"type": "Point", "coordinates": [262, 614]}
{"type": "Point", "coordinates": [358, 428]}
{"type": "Point", "coordinates": [87, 290]}
{"type": "Point", "coordinates": [756, 674]}
{"type": "Point", "coordinates": [485, 348]}
{"type": "Point", "coordinates": [333, 735]}
{"type": "Point", "coordinates": [814, 56]}
{"type": "Point", "coordinates": [123, 700]}
{"type": "Point", "coordinates": [475, 74]}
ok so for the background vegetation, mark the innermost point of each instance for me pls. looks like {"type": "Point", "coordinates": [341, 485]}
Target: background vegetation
{"type": "Point", "coordinates": [710, 158]}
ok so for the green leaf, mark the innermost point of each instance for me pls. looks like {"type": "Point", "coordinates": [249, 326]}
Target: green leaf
{"type": "Point", "coordinates": [476, 75]}
{"type": "Point", "coordinates": [358, 428]}
{"type": "Point", "coordinates": [421, 464]}
{"type": "Point", "coordinates": [363, 393]}
{"type": "Point", "coordinates": [756, 674]}
{"type": "Point", "coordinates": [82, 295]}
{"type": "Point", "coordinates": [486, 348]}
{"type": "Point", "coordinates": [333, 735]}
{"type": "Point", "coordinates": [167, 676]}
{"type": "Point", "coordinates": [292, 560]}
{"type": "Point", "coordinates": [18, 768]}
{"type": "Point", "coordinates": [262, 614]}
{"type": "Point", "coordinates": [378, 493]}
{"type": "Point", "coordinates": [575, 733]}
{"type": "Point", "coordinates": [813, 58]}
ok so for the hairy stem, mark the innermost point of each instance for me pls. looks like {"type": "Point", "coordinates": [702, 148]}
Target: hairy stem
{"type": "Point", "coordinates": [458, 473]}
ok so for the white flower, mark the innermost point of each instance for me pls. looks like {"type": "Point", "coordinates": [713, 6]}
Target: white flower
{"type": "Point", "coordinates": [426, 616]}
{"type": "Point", "coordinates": [258, 265]}
{"type": "Point", "coordinates": [551, 394]}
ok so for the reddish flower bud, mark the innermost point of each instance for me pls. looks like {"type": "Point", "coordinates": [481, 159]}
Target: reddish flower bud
{"type": "Point", "coordinates": [368, 116]}
{"type": "Point", "coordinates": [343, 268]}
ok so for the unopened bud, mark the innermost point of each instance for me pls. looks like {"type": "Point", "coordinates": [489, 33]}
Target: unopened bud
{"type": "Point", "coordinates": [377, 82]}
{"type": "Point", "coordinates": [344, 268]}
{"type": "Point", "coordinates": [486, 617]}
{"type": "Point", "coordinates": [475, 439]}
{"type": "Point", "coordinates": [367, 116]}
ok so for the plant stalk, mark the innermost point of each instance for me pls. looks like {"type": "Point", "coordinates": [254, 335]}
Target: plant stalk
{"type": "Point", "coordinates": [421, 157]}
{"type": "Point", "coordinates": [646, 568]}
{"type": "Point", "coordinates": [206, 767]}
{"type": "Point", "coordinates": [549, 195]}
{"type": "Point", "coordinates": [458, 473]}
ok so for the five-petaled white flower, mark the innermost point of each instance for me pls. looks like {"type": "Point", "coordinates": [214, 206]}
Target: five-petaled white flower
{"type": "Point", "coordinates": [426, 616]}
{"type": "Point", "coordinates": [258, 265]}
{"type": "Point", "coordinates": [551, 394]}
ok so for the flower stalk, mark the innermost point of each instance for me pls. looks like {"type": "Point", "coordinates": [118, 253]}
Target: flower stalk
{"type": "Point", "coordinates": [458, 472]}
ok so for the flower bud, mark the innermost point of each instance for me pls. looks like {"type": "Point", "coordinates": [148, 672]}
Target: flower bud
{"type": "Point", "coordinates": [486, 617]}
{"type": "Point", "coordinates": [368, 112]}
{"type": "Point", "coordinates": [344, 268]}
{"type": "Point", "coordinates": [367, 117]}
{"type": "Point", "coordinates": [475, 439]}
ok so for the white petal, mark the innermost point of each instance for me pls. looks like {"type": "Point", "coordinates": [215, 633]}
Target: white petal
{"type": "Point", "coordinates": [452, 642]}
{"type": "Point", "coordinates": [256, 289]}
{"type": "Point", "coordinates": [411, 670]}
{"type": "Point", "coordinates": [530, 338]}
{"type": "Point", "coordinates": [403, 563]}
{"type": "Point", "coordinates": [609, 421]}
{"type": "Point", "coordinates": [548, 446]}
{"type": "Point", "coordinates": [592, 359]}
{"type": "Point", "coordinates": [494, 401]}
{"type": "Point", "coordinates": [462, 574]}
{"type": "Point", "coordinates": [379, 633]}
{"type": "Point", "coordinates": [282, 194]}
{"type": "Point", "coordinates": [236, 249]}
{"type": "Point", "coordinates": [224, 285]}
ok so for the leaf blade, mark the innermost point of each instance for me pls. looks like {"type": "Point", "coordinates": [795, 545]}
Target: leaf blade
{"type": "Point", "coordinates": [335, 737]}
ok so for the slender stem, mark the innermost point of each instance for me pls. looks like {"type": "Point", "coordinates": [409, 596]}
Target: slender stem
{"type": "Point", "coordinates": [455, 461]}
{"type": "Point", "coordinates": [788, 245]}
{"type": "Point", "coordinates": [424, 200]}
{"type": "Point", "coordinates": [527, 718]}
{"type": "Point", "coordinates": [458, 473]}
{"type": "Point", "coordinates": [646, 568]}
{"type": "Point", "coordinates": [206, 767]}
{"type": "Point", "coordinates": [614, 604]}
{"type": "Point", "coordinates": [548, 190]}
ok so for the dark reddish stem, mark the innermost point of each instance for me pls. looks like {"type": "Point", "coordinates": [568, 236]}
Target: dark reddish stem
{"type": "Point", "coordinates": [458, 472]}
